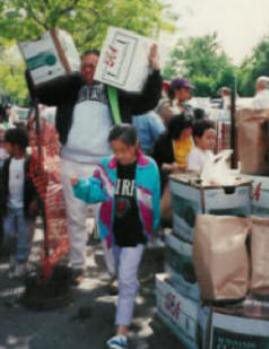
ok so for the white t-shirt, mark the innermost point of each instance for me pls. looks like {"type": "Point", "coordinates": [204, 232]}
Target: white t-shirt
{"type": "Point", "coordinates": [198, 158]}
{"type": "Point", "coordinates": [88, 137]}
{"type": "Point", "coordinates": [3, 154]}
{"type": "Point", "coordinates": [16, 183]}
{"type": "Point", "coordinates": [261, 100]}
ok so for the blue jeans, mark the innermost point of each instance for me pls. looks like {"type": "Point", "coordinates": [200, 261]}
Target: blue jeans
{"type": "Point", "coordinates": [16, 234]}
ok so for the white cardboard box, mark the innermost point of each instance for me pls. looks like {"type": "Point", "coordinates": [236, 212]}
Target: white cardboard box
{"type": "Point", "coordinates": [179, 266]}
{"type": "Point", "coordinates": [51, 57]}
{"type": "Point", "coordinates": [189, 200]}
{"type": "Point", "coordinates": [124, 60]}
{"type": "Point", "coordinates": [179, 313]}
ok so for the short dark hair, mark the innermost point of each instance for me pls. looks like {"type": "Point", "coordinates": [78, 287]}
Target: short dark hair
{"type": "Point", "coordinates": [201, 126]}
{"type": "Point", "coordinates": [92, 51]}
{"type": "Point", "coordinates": [17, 136]}
{"type": "Point", "coordinates": [125, 133]}
{"type": "Point", "coordinates": [178, 124]}
{"type": "Point", "coordinates": [199, 114]}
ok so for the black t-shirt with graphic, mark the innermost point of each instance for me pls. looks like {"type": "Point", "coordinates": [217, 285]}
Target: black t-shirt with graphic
{"type": "Point", "coordinates": [128, 228]}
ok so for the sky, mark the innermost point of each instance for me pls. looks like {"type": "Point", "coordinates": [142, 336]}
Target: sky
{"type": "Point", "coordinates": [240, 24]}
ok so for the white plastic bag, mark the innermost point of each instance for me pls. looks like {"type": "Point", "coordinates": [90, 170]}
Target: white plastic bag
{"type": "Point", "coordinates": [217, 170]}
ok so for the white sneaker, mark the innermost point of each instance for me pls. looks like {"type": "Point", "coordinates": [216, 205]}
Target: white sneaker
{"type": "Point", "coordinates": [20, 270]}
{"type": "Point", "coordinates": [117, 342]}
{"type": "Point", "coordinates": [12, 266]}
{"type": "Point", "coordinates": [12, 262]}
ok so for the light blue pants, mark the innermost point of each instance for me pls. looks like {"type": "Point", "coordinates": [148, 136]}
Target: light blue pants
{"type": "Point", "coordinates": [127, 263]}
{"type": "Point", "coordinates": [16, 234]}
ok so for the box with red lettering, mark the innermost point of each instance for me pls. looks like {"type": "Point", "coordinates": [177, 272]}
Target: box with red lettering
{"type": "Point", "coordinates": [179, 313]}
{"type": "Point", "coordinates": [260, 195]}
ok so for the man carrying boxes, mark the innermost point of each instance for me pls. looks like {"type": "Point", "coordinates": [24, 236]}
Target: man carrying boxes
{"type": "Point", "coordinates": [86, 110]}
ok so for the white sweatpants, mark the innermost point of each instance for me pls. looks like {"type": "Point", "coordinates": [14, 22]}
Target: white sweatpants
{"type": "Point", "coordinates": [77, 211]}
{"type": "Point", "coordinates": [127, 261]}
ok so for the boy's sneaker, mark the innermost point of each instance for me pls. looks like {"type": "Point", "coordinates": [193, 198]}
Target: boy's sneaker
{"type": "Point", "coordinates": [12, 263]}
{"type": "Point", "coordinates": [117, 342]}
{"type": "Point", "coordinates": [20, 270]}
{"type": "Point", "coordinates": [12, 266]}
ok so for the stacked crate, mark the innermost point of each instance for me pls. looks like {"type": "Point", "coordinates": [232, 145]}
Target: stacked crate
{"type": "Point", "coordinates": [243, 325]}
{"type": "Point", "coordinates": [178, 295]}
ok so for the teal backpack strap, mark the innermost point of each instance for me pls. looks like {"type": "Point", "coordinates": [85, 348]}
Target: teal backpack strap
{"type": "Point", "coordinates": [114, 104]}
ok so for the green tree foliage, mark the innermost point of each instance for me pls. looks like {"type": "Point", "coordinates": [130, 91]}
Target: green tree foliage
{"type": "Point", "coordinates": [86, 20]}
{"type": "Point", "coordinates": [202, 61]}
{"type": "Point", "coordinates": [12, 82]}
{"type": "Point", "coordinates": [257, 64]}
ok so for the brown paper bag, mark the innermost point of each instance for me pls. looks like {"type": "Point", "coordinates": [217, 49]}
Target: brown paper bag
{"type": "Point", "coordinates": [253, 141]}
{"type": "Point", "coordinates": [260, 256]}
{"type": "Point", "coordinates": [220, 257]}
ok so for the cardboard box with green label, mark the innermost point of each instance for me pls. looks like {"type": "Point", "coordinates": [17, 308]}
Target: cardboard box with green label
{"type": "Point", "coordinates": [51, 57]}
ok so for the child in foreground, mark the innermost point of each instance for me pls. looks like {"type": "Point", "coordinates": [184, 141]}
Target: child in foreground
{"type": "Point", "coordinates": [128, 185]}
{"type": "Point", "coordinates": [19, 201]}
{"type": "Point", "coordinates": [204, 135]}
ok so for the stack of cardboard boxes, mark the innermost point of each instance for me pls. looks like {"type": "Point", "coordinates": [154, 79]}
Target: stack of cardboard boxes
{"type": "Point", "coordinates": [178, 294]}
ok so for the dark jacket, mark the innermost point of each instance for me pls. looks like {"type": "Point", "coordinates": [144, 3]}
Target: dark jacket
{"type": "Point", "coordinates": [163, 153]}
{"type": "Point", "coordinates": [29, 192]}
{"type": "Point", "coordinates": [63, 93]}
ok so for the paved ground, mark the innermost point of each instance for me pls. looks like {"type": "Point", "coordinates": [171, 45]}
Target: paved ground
{"type": "Point", "coordinates": [88, 321]}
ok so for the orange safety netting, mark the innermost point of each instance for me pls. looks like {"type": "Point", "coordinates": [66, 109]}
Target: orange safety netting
{"type": "Point", "coordinates": [45, 174]}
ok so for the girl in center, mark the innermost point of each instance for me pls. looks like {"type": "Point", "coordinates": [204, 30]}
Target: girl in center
{"type": "Point", "coordinates": [128, 185]}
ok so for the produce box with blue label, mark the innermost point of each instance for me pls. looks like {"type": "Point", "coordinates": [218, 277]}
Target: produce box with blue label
{"type": "Point", "coordinates": [191, 197]}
